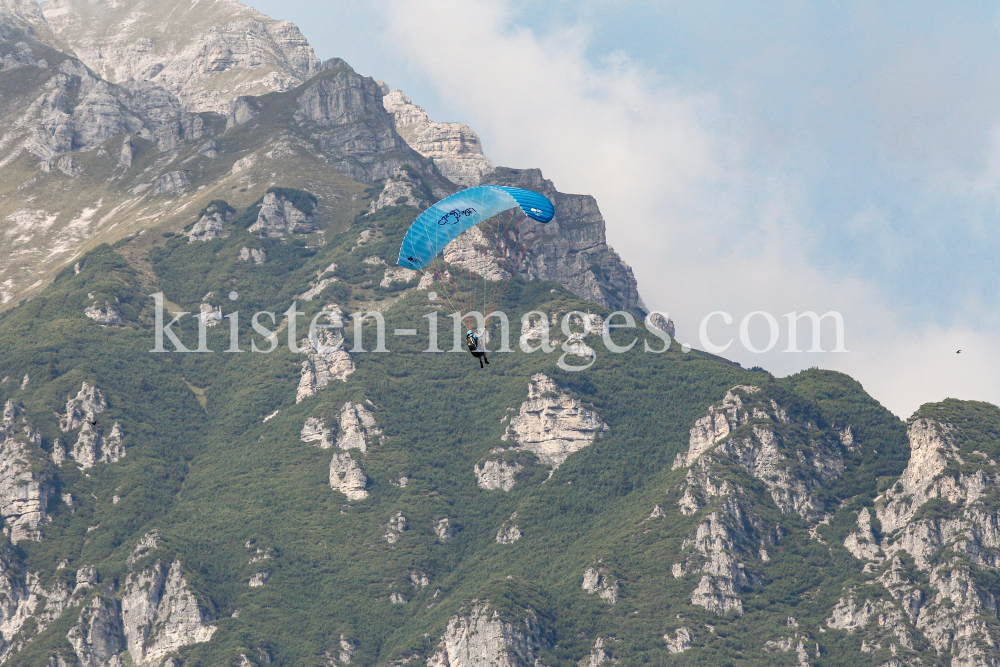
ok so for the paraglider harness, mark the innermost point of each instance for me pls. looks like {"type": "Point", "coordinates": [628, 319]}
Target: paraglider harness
{"type": "Point", "coordinates": [472, 340]}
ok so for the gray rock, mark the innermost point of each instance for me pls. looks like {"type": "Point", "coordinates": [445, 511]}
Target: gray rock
{"type": "Point", "coordinates": [108, 316]}
{"type": "Point", "coordinates": [159, 597]}
{"type": "Point", "coordinates": [174, 181]}
{"type": "Point", "coordinates": [98, 636]}
{"type": "Point", "coordinates": [254, 255]}
{"type": "Point", "coordinates": [346, 476]}
{"type": "Point", "coordinates": [551, 424]}
{"type": "Point", "coordinates": [25, 490]}
{"type": "Point", "coordinates": [453, 147]}
{"type": "Point", "coordinates": [203, 45]}
{"type": "Point", "coordinates": [571, 245]}
{"type": "Point", "coordinates": [481, 637]}
{"type": "Point", "coordinates": [279, 217]}
{"type": "Point", "coordinates": [596, 580]}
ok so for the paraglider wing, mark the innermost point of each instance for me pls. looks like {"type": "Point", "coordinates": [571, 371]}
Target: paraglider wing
{"type": "Point", "coordinates": [444, 221]}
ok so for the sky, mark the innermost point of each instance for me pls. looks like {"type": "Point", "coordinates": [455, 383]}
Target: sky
{"type": "Point", "coordinates": [757, 159]}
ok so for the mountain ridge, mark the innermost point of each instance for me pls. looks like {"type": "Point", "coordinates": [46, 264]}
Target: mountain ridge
{"type": "Point", "coordinates": [336, 505]}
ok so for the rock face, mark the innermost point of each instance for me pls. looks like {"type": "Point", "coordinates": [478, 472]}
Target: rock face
{"type": "Point", "coordinates": [346, 476]}
{"type": "Point", "coordinates": [481, 637]}
{"type": "Point", "coordinates": [108, 316]}
{"type": "Point", "coordinates": [325, 360]}
{"type": "Point", "coordinates": [454, 147]}
{"type": "Point", "coordinates": [92, 447]}
{"type": "Point", "coordinates": [572, 246]}
{"type": "Point", "coordinates": [357, 427]}
{"type": "Point", "coordinates": [207, 55]}
{"type": "Point", "coordinates": [87, 403]}
{"type": "Point", "coordinates": [279, 217]}
{"type": "Point", "coordinates": [254, 255]}
{"type": "Point", "coordinates": [98, 636]}
{"type": "Point", "coordinates": [509, 531]}
{"type": "Point", "coordinates": [497, 474]}
{"type": "Point", "coordinates": [22, 597]}
{"type": "Point", "coordinates": [315, 431]}
{"type": "Point", "coordinates": [400, 190]}
{"type": "Point", "coordinates": [941, 599]}
{"type": "Point", "coordinates": [793, 460]}
{"type": "Point", "coordinates": [352, 129]}
{"type": "Point", "coordinates": [213, 224]}
{"type": "Point", "coordinates": [25, 489]}
{"type": "Point", "coordinates": [159, 598]}
{"type": "Point", "coordinates": [395, 528]}
{"type": "Point", "coordinates": [596, 580]}
{"type": "Point", "coordinates": [551, 424]}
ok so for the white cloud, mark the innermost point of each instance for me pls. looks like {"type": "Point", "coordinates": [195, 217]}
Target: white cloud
{"type": "Point", "coordinates": [713, 209]}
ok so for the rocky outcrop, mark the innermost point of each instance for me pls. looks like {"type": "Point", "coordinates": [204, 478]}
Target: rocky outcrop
{"type": "Point", "coordinates": [863, 543]}
{"type": "Point", "coordinates": [551, 424]}
{"type": "Point", "coordinates": [346, 476]}
{"type": "Point", "coordinates": [496, 474]}
{"type": "Point", "coordinates": [213, 224]}
{"type": "Point", "coordinates": [171, 182]}
{"type": "Point", "coordinates": [210, 314]}
{"type": "Point", "coordinates": [509, 532]}
{"type": "Point", "coordinates": [98, 637]}
{"type": "Point", "coordinates": [92, 447]}
{"type": "Point", "coordinates": [253, 255]}
{"type": "Point", "coordinates": [161, 614]}
{"type": "Point", "coordinates": [454, 148]}
{"type": "Point", "coordinates": [22, 597]}
{"type": "Point", "coordinates": [395, 528]}
{"type": "Point", "coordinates": [397, 274]}
{"type": "Point", "coordinates": [351, 128]}
{"type": "Point", "coordinates": [679, 641]}
{"type": "Point", "coordinates": [279, 217]}
{"type": "Point", "coordinates": [792, 460]}
{"type": "Point", "coordinates": [572, 249]}
{"type": "Point", "coordinates": [315, 431]}
{"type": "Point", "coordinates": [108, 316]}
{"type": "Point", "coordinates": [596, 580]}
{"type": "Point", "coordinates": [792, 467]}
{"type": "Point", "coordinates": [206, 55]}
{"type": "Point", "coordinates": [482, 637]}
{"type": "Point", "coordinates": [443, 529]}
{"type": "Point", "coordinates": [400, 189]}
{"type": "Point", "coordinates": [939, 515]}
{"type": "Point", "coordinates": [87, 403]}
{"type": "Point", "coordinates": [474, 253]}
{"type": "Point", "coordinates": [357, 427]}
{"type": "Point", "coordinates": [26, 487]}
{"type": "Point", "coordinates": [325, 360]}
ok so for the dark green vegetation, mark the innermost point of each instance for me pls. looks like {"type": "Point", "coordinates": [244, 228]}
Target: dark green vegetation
{"type": "Point", "coordinates": [211, 478]}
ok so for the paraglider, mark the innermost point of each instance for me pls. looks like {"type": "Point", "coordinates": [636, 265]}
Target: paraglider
{"type": "Point", "coordinates": [472, 340]}
{"type": "Point", "coordinates": [472, 242]}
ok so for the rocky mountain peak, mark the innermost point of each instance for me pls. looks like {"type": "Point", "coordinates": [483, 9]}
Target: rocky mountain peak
{"type": "Point", "coordinates": [205, 53]}
{"type": "Point", "coordinates": [454, 147]}
{"type": "Point", "coordinates": [573, 249]}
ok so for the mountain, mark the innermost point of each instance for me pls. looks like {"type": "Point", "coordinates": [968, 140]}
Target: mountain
{"type": "Point", "coordinates": [316, 501]}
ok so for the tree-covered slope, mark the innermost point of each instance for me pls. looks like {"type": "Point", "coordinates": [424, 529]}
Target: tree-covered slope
{"type": "Point", "coordinates": [661, 534]}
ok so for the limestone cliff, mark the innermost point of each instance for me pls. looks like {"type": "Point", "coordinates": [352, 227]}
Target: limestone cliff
{"type": "Point", "coordinates": [551, 424]}
{"type": "Point", "coordinates": [160, 613]}
{"type": "Point", "coordinates": [573, 249]}
{"type": "Point", "coordinates": [938, 516]}
{"type": "Point", "coordinates": [454, 147]}
{"type": "Point", "coordinates": [206, 54]}
{"type": "Point", "coordinates": [482, 637]}
{"type": "Point", "coordinates": [793, 460]}
{"type": "Point", "coordinates": [326, 360]}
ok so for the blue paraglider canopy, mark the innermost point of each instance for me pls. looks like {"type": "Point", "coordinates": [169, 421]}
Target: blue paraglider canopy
{"type": "Point", "coordinates": [443, 222]}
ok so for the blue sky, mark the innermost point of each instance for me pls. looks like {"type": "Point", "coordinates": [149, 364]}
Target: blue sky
{"type": "Point", "coordinates": [748, 157]}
